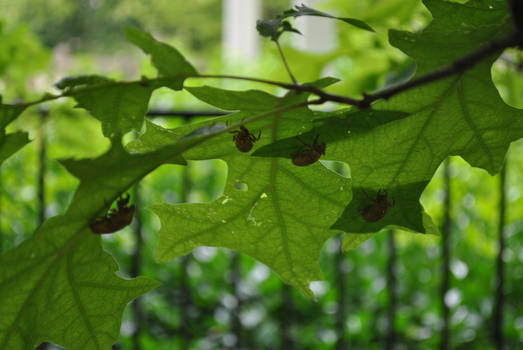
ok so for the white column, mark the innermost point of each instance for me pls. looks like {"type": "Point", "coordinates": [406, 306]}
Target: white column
{"type": "Point", "coordinates": [320, 35]}
{"type": "Point", "coordinates": [240, 40]}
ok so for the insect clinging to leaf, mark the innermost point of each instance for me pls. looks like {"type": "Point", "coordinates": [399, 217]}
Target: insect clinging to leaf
{"type": "Point", "coordinates": [310, 155]}
{"type": "Point", "coordinates": [115, 219]}
{"type": "Point", "coordinates": [244, 139]}
{"type": "Point", "coordinates": [378, 209]}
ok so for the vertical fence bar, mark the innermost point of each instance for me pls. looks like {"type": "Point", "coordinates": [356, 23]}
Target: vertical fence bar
{"type": "Point", "coordinates": [286, 317]}
{"type": "Point", "coordinates": [136, 267]}
{"type": "Point", "coordinates": [390, 340]}
{"type": "Point", "coordinates": [185, 301]}
{"type": "Point", "coordinates": [1, 216]}
{"type": "Point", "coordinates": [236, 324]}
{"type": "Point", "coordinates": [42, 154]}
{"type": "Point", "coordinates": [341, 307]}
{"type": "Point", "coordinates": [500, 275]}
{"type": "Point", "coordinates": [445, 249]}
{"type": "Point", "coordinates": [42, 167]}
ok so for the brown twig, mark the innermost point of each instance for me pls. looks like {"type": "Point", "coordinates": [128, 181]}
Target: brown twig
{"type": "Point", "coordinates": [460, 65]}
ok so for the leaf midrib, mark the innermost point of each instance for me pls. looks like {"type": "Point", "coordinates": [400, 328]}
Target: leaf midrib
{"type": "Point", "coordinates": [79, 304]}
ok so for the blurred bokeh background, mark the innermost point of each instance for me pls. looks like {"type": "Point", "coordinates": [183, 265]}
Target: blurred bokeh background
{"type": "Point", "coordinates": [398, 290]}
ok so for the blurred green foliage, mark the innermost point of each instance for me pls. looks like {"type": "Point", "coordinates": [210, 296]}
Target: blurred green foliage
{"type": "Point", "coordinates": [206, 319]}
{"type": "Point", "coordinates": [21, 54]}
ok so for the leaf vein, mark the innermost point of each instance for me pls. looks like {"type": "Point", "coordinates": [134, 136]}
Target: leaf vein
{"type": "Point", "coordinates": [310, 188]}
{"type": "Point", "coordinates": [76, 297]}
{"type": "Point", "coordinates": [475, 129]}
{"type": "Point", "coordinates": [420, 133]}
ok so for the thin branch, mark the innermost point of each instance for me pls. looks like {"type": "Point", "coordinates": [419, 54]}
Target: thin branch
{"type": "Point", "coordinates": [325, 96]}
{"type": "Point", "coordinates": [460, 65]}
{"type": "Point", "coordinates": [285, 63]}
{"type": "Point", "coordinates": [146, 82]}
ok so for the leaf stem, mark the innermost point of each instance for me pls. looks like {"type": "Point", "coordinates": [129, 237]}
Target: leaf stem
{"type": "Point", "coordinates": [285, 63]}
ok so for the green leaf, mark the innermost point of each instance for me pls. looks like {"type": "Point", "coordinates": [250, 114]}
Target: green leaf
{"type": "Point", "coordinates": [462, 115]}
{"type": "Point", "coordinates": [249, 100]}
{"type": "Point", "coordinates": [353, 241]}
{"type": "Point", "coordinates": [8, 113]}
{"type": "Point", "coordinates": [257, 214]}
{"type": "Point", "coordinates": [274, 28]}
{"type": "Point", "coordinates": [60, 284]}
{"type": "Point", "coordinates": [333, 129]}
{"type": "Point", "coordinates": [82, 81]}
{"type": "Point", "coordinates": [169, 62]}
{"type": "Point", "coordinates": [120, 107]}
{"type": "Point", "coordinates": [302, 10]}
{"type": "Point", "coordinates": [11, 143]}
{"type": "Point", "coordinates": [399, 145]}
{"type": "Point", "coordinates": [269, 28]}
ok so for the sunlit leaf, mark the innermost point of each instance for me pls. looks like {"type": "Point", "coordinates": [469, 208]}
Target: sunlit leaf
{"type": "Point", "coordinates": [258, 215]}
{"type": "Point", "coordinates": [274, 28]}
{"type": "Point", "coordinates": [169, 62]}
{"type": "Point", "coordinates": [62, 287]}
{"type": "Point", "coordinates": [121, 107]}
{"type": "Point", "coordinates": [398, 146]}
{"type": "Point", "coordinates": [8, 113]}
{"type": "Point", "coordinates": [82, 81]}
{"type": "Point", "coordinates": [11, 143]}
{"type": "Point", "coordinates": [302, 10]}
{"type": "Point", "coordinates": [60, 284]}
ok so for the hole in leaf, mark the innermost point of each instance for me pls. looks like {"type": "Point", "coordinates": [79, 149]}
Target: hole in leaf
{"type": "Point", "coordinates": [241, 186]}
{"type": "Point", "coordinates": [340, 168]}
{"type": "Point", "coordinates": [506, 72]}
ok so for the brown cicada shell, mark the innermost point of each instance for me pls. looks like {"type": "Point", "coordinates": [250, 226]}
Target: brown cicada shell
{"type": "Point", "coordinates": [378, 209]}
{"type": "Point", "coordinates": [115, 219]}
{"type": "Point", "coordinates": [311, 155]}
{"type": "Point", "coordinates": [244, 139]}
